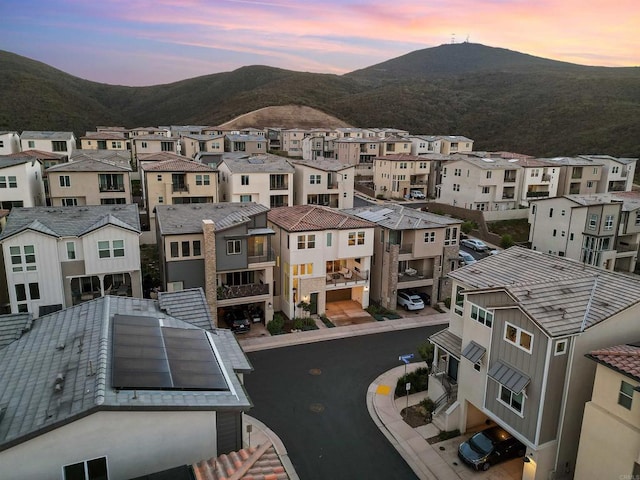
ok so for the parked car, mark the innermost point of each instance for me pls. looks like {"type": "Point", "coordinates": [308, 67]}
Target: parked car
{"type": "Point", "coordinates": [417, 194]}
{"type": "Point", "coordinates": [475, 244]}
{"type": "Point", "coordinates": [426, 298]}
{"type": "Point", "coordinates": [237, 321]}
{"type": "Point", "coordinates": [466, 257]}
{"type": "Point", "coordinates": [409, 301]}
{"type": "Point", "coordinates": [489, 447]}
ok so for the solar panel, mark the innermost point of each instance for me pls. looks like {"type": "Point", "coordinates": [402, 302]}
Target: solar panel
{"type": "Point", "coordinates": [147, 356]}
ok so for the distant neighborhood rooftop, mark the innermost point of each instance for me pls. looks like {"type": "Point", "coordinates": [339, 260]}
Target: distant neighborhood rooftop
{"type": "Point", "coordinates": [325, 164]}
{"type": "Point", "coordinates": [37, 135]}
{"type": "Point", "coordinates": [187, 218]}
{"type": "Point", "coordinates": [88, 164]}
{"type": "Point", "coordinates": [399, 217]}
{"type": "Point", "coordinates": [177, 165]}
{"type": "Point", "coordinates": [266, 163]}
{"type": "Point", "coordinates": [305, 218]}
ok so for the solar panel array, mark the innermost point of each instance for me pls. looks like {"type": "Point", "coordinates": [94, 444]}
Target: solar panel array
{"type": "Point", "coordinates": [147, 356]}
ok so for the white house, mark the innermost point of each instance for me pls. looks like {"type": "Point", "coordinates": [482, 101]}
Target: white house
{"type": "Point", "coordinates": [9, 142]}
{"type": "Point", "coordinates": [21, 183]}
{"type": "Point", "coordinates": [55, 142]}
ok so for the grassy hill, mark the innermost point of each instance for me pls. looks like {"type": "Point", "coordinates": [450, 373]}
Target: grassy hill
{"type": "Point", "coordinates": [502, 99]}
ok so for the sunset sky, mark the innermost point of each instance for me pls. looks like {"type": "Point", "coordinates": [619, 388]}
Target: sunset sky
{"type": "Point", "coordinates": [144, 42]}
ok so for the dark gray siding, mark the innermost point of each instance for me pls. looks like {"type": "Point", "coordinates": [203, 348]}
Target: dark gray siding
{"type": "Point", "coordinates": [190, 272]}
{"type": "Point", "coordinates": [554, 393]}
{"type": "Point", "coordinates": [531, 364]}
{"type": "Point", "coordinates": [231, 262]}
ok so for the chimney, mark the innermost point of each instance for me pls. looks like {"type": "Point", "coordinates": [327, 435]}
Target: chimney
{"type": "Point", "coordinates": [210, 287]}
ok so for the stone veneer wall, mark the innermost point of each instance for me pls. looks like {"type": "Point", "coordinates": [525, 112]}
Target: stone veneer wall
{"type": "Point", "coordinates": [210, 287]}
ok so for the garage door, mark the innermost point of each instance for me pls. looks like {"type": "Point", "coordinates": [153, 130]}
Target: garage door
{"type": "Point", "coordinates": [338, 295]}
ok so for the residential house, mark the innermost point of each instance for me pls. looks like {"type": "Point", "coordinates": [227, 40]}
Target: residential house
{"type": "Point", "coordinates": [602, 230]}
{"type": "Point", "coordinates": [358, 152]}
{"type": "Point", "coordinates": [386, 132]}
{"type": "Point", "coordinates": [617, 173]}
{"type": "Point", "coordinates": [395, 176]}
{"type": "Point", "coordinates": [423, 144]}
{"type": "Point", "coordinates": [318, 143]}
{"type": "Point", "coordinates": [249, 144]}
{"type": "Point", "coordinates": [224, 248]}
{"type": "Point", "coordinates": [144, 131]}
{"type": "Point", "coordinates": [413, 250]}
{"type": "Point", "coordinates": [105, 140]}
{"type": "Point", "coordinates": [292, 141]}
{"type": "Point", "coordinates": [89, 181]}
{"type": "Point", "coordinates": [577, 175]}
{"type": "Point", "coordinates": [82, 399]}
{"type": "Point", "coordinates": [59, 257]}
{"type": "Point", "coordinates": [520, 325]}
{"type": "Point", "coordinates": [539, 180]}
{"type": "Point", "coordinates": [394, 145]}
{"type": "Point", "coordinates": [324, 256]}
{"type": "Point", "coordinates": [323, 181]}
{"type": "Point", "coordinates": [480, 183]}
{"type": "Point", "coordinates": [183, 130]}
{"type": "Point", "coordinates": [46, 159]}
{"type": "Point", "coordinates": [21, 183]}
{"type": "Point", "coordinates": [176, 181]}
{"type": "Point", "coordinates": [9, 142]}
{"type": "Point", "coordinates": [265, 179]}
{"type": "Point", "coordinates": [351, 132]}
{"type": "Point", "coordinates": [450, 144]}
{"type": "Point", "coordinates": [610, 437]}
{"type": "Point", "coordinates": [55, 142]}
{"type": "Point", "coordinates": [194, 144]}
{"type": "Point", "coordinates": [273, 136]}
{"type": "Point", "coordinates": [155, 144]}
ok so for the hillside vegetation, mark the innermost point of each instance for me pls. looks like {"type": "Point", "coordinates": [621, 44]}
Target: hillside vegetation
{"type": "Point", "coordinates": [502, 99]}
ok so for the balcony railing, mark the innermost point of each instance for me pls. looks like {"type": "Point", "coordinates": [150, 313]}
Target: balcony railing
{"type": "Point", "coordinates": [266, 257]}
{"type": "Point", "coordinates": [112, 188]}
{"type": "Point", "coordinates": [509, 178]}
{"type": "Point", "coordinates": [403, 249]}
{"type": "Point", "coordinates": [278, 186]}
{"type": "Point", "coordinates": [537, 194]}
{"type": "Point", "coordinates": [412, 277]}
{"type": "Point", "coordinates": [338, 278]}
{"type": "Point", "coordinates": [508, 196]}
{"type": "Point", "coordinates": [179, 187]}
{"type": "Point", "coordinates": [332, 186]}
{"type": "Point", "coordinates": [226, 292]}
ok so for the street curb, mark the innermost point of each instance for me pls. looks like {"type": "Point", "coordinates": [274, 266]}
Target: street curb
{"type": "Point", "coordinates": [277, 445]}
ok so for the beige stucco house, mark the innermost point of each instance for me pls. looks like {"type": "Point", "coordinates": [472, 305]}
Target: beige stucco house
{"type": "Point", "coordinates": [395, 176]}
{"type": "Point", "coordinates": [193, 144]}
{"type": "Point", "coordinates": [323, 181]}
{"type": "Point", "coordinates": [105, 141]}
{"type": "Point", "coordinates": [578, 175]}
{"type": "Point", "coordinates": [450, 144]}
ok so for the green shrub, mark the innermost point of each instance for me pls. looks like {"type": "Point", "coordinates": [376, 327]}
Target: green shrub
{"type": "Point", "coordinates": [304, 324]}
{"type": "Point", "coordinates": [419, 380]}
{"type": "Point", "coordinates": [326, 321]}
{"type": "Point", "coordinates": [428, 405]}
{"type": "Point", "coordinates": [276, 326]}
{"type": "Point", "coordinates": [468, 225]}
{"type": "Point", "coordinates": [425, 350]}
{"type": "Point", "coordinates": [506, 241]}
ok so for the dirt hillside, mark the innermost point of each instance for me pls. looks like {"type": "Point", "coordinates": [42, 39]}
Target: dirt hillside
{"type": "Point", "coordinates": [286, 116]}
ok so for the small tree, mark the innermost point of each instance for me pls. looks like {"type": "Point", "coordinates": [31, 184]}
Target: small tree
{"type": "Point", "coordinates": [305, 307]}
{"type": "Point", "coordinates": [506, 241]}
{"type": "Point", "coordinates": [467, 226]}
{"type": "Point", "coordinates": [426, 353]}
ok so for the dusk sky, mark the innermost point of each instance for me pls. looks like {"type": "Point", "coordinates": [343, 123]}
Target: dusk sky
{"type": "Point", "coordinates": [144, 42]}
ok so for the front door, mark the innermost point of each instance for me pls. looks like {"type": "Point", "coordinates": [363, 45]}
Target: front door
{"type": "Point", "coordinates": [313, 301]}
{"type": "Point", "coordinates": [452, 370]}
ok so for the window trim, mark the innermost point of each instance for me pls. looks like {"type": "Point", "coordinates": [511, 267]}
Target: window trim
{"type": "Point", "coordinates": [564, 343]}
{"type": "Point", "coordinates": [520, 413]}
{"type": "Point", "coordinates": [519, 332]}
{"type": "Point", "coordinates": [234, 247]}
{"type": "Point", "coordinates": [482, 315]}
{"type": "Point", "coordinates": [625, 395]}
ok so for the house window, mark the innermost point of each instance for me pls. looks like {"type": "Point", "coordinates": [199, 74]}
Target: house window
{"type": "Point", "coordinates": [69, 202]}
{"type": "Point", "coordinates": [485, 189]}
{"type": "Point", "coordinates": [203, 180]}
{"type": "Point", "coordinates": [459, 305]}
{"type": "Point", "coordinates": [477, 366]}
{"type": "Point", "coordinates": [429, 237]}
{"type": "Point", "coordinates": [456, 187]}
{"type": "Point", "coordinates": [593, 221]}
{"type": "Point", "coordinates": [95, 469]}
{"type": "Point", "coordinates": [108, 249]}
{"type": "Point", "coordinates": [24, 255]}
{"type": "Point", "coordinates": [234, 247]}
{"type": "Point", "coordinates": [166, 146]}
{"type": "Point", "coordinates": [457, 172]}
{"type": "Point", "coordinates": [174, 249]}
{"type": "Point", "coordinates": [561, 347]}
{"type": "Point", "coordinates": [244, 179]}
{"type": "Point", "coordinates": [186, 249]}
{"type": "Point", "coordinates": [314, 180]}
{"type": "Point", "coordinates": [518, 337]}
{"type": "Point", "coordinates": [303, 269]}
{"type": "Point", "coordinates": [482, 315]}
{"type": "Point", "coordinates": [515, 401]}
{"type": "Point", "coordinates": [3, 182]}
{"type": "Point", "coordinates": [329, 239]}
{"type": "Point", "coordinates": [608, 222]}
{"type": "Point", "coordinates": [118, 248]}
{"type": "Point", "coordinates": [625, 397]}
{"type": "Point", "coordinates": [111, 182]}
{"type": "Point", "coordinates": [356, 238]}
{"type": "Point", "coordinates": [451, 236]}
{"type": "Point", "coordinates": [65, 181]}
{"type": "Point", "coordinates": [143, 144]}
{"type": "Point", "coordinates": [58, 146]}
{"type": "Point", "coordinates": [197, 249]}
{"type": "Point", "coordinates": [13, 183]}
{"type": "Point", "coordinates": [34, 291]}
{"type": "Point", "coordinates": [489, 174]}
{"type": "Point", "coordinates": [638, 218]}
{"type": "Point", "coordinates": [21, 293]}
{"type": "Point", "coordinates": [160, 199]}
{"type": "Point", "coordinates": [550, 212]}
{"type": "Point", "coordinates": [159, 178]}
{"type": "Point", "coordinates": [71, 250]}
{"type": "Point", "coordinates": [116, 144]}
{"type": "Point", "coordinates": [306, 241]}
{"type": "Point", "coordinates": [31, 144]}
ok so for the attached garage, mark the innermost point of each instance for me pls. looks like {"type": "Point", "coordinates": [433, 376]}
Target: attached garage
{"type": "Point", "coordinates": [338, 295]}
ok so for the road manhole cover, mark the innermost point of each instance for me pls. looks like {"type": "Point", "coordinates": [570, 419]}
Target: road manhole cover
{"type": "Point", "coordinates": [315, 371]}
{"type": "Point", "coordinates": [316, 407]}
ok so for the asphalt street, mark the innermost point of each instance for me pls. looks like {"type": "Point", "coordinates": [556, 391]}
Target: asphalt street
{"type": "Point", "coordinates": [314, 397]}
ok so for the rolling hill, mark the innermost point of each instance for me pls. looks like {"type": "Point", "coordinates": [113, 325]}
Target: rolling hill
{"type": "Point", "coordinates": [502, 99]}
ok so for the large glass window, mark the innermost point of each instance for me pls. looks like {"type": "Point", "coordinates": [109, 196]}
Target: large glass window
{"type": "Point", "coordinates": [95, 469]}
{"type": "Point", "coordinates": [23, 258]}
{"type": "Point", "coordinates": [234, 247]}
{"type": "Point", "coordinates": [71, 250]}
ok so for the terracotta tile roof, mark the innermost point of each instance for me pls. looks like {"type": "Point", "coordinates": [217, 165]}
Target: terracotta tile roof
{"type": "Point", "coordinates": [304, 218]}
{"type": "Point", "coordinates": [159, 156]}
{"type": "Point", "coordinates": [259, 463]}
{"type": "Point", "coordinates": [39, 154]}
{"type": "Point", "coordinates": [405, 157]}
{"type": "Point", "coordinates": [622, 358]}
{"type": "Point", "coordinates": [177, 165]}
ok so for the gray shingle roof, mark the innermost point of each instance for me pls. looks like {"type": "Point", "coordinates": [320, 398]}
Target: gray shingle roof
{"type": "Point", "coordinates": [244, 137]}
{"type": "Point", "coordinates": [85, 164]}
{"type": "Point", "coordinates": [324, 164]}
{"type": "Point", "coordinates": [71, 221]}
{"type": "Point", "coordinates": [189, 304]}
{"type": "Point", "coordinates": [305, 218]}
{"type": "Point", "coordinates": [41, 135]}
{"type": "Point", "coordinates": [12, 325]}
{"type": "Point", "coordinates": [399, 217]}
{"type": "Point", "coordinates": [187, 218]}
{"type": "Point", "coordinates": [76, 344]}
{"type": "Point", "coordinates": [266, 163]}
{"type": "Point", "coordinates": [6, 162]}
{"type": "Point", "coordinates": [561, 295]}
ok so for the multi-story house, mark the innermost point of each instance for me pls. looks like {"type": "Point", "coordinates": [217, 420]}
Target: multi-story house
{"type": "Point", "coordinates": [318, 143]}
{"type": "Point", "coordinates": [424, 144]}
{"type": "Point", "coordinates": [394, 145]}
{"type": "Point", "coordinates": [386, 132]}
{"type": "Point", "coordinates": [602, 230]}
{"type": "Point", "coordinates": [194, 144]}
{"type": "Point", "coordinates": [55, 142]}
{"type": "Point", "coordinates": [450, 144]}
{"type": "Point", "coordinates": [351, 132]}
{"type": "Point", "coordinates": [292, 141]}
{"type": "Point", "coordinates": [9, 142]}
{"type": "Point", "coordinates": [577, 175]}
{"type": "Point", "coordinates": [413, 250]}
{"type": "Point", "coordinates": [82, 396]}
{"type": "Point", "coordinates": [617, 173]}
{"type": "Point", "coordinates": [58, 257]}
{"type": "Point", "coordinates": [105, 140]}
{"type": "Point", "coordinates": [265, 179]}
{"type": "Point", "coordinates": [539, 180]}
{"type": "Point", "coordinates": [610, 437]}
{"type": "Point", "coordinates": [249, 144]}
{"type": "Point", "coordinates": [21, 183]}
{"type": "Point", "coordinates": [273, 136]}
{"type": "Point", "coordinates": [156, 143]}
{"type": "Point", "coordinates": [480, 183]}
{"type": "Point", "coordinates": [176, 181]}
{"type": "Point", "coordinates": [395, 176]}
{"type": "Point", "coordinates": [324, 256]}
{"type": "Point", "coordinates": [144, 131]}
{"type": "Point", "coordinates": [323, 181]}
{"type": "Point", "coordinates": [224, 248]}
{"type": "Point", "coordinates": [358, 152]}
{"type": "Point", "coordinates": [520, 325]}
{"type": "Point", "coordinates": [89, 181]}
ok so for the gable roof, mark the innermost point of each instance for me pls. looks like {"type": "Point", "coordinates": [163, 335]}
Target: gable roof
{"type": "Point", "coordinates": [176, 165]}
{"type": "Point", "coordinates": [12, 325]}
{"type": "Point", "coordinates": [114, 156]}
{"type": "Point", "coordinates": [399, 217]}
{"type": "Point", "coordinates": [187, 218]}
{"type": "Point", "coordinates": [265, 163]}
{"type": "Point", "coordinates": [61, 369]}
{"type": "Point", "coordinates": [71, 221]}
{"type": "Point", "coordinates": [246, 464]}
{"type": "Point", "coordinates": [88, 164]}
{"type": "Point", "coordinates": [39, 154]}
{"type": "Point", "coordinates": [624, 359]}
{"type": "Point", "coordinates": [46, 135]}
{"type": "Point", "coordinates": [304, 218]}
{"type": "Point", "coordinates": [561, 295]}
{"type": "Point", "coordinates": [6, 161]}
{"type": "Point", "coordinates": [324, 164]}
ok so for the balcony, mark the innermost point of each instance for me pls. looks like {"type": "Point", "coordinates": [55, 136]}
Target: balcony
{"type": "Point", "coordinates": [537, 194]}
{"type": "Point", "coordinates": [228, 292]}
{"type": "Point", "coordinates": [267, 257]}
{"type": "Point", "coordinates": [339, 279]}
{"type": "Point", "coordinates": [111, 188]}
{"type": "Point", "coordinates": [507, 196]}
{"type": "Point", "coordinates": [403, 249]}
{"type": "Point", "coordinates": [546, 177]}
{"type": "Point", "coordinates": [626, 247]}
{"type": "Point", "coordinates": [179, 187]}
{"type": "Point", "coordinates": [509, 178]}
{"type": "Point", "coordinates": [413, 275]}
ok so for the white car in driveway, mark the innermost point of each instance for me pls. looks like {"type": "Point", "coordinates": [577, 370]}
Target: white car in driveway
{"type": "Point", "coordinates": [417, 194]}
{"type": "Point", "coordinates": [475, 244]}
{"type": "Point", "coordinates": [410, 301]}
{"type": "Point", "coordinates": [466, 257]}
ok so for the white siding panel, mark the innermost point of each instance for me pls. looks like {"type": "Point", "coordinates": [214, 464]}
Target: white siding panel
{"type": "Point", "coordinates": [95, 265]}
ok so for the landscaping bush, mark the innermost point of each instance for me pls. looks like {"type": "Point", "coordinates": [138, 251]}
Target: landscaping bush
{"type": "Point", "coordinates": [468, 226]}
{"type": "Point", "coordinates": [304, 324]}
{"type": "Point", "coordinates": [419, 380]}
{"type": "Point", "coordinates": [506, 241]}
{"type": "Point", "coordinates": [425, 350]}
{"type": "Point", "coordinates": [326, 321]}
{"type": "Point", "coordinates": [276, 326]}
{"type": "Point", "coordinates": [428, 405]}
